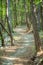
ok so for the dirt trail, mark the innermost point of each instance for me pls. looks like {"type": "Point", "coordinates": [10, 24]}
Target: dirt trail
{"type": "Point", "coordinates": [20, 53]}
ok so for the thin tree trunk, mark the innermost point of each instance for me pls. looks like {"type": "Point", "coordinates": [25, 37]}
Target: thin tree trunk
{"type": "Point", "coordinates": [28, 27]}
{"type": "Point", "coordinates": [35, 29]}
{"type": "Point", "coordinates": [4, 28]}
{"type": "Point", "coordinates": [15, 12]}
{"type": "Point", "coordinates": [9, 23]}
{"type": "Point", "coordinates": [1, 29]}
{"type": "Point", "coordinates": [37, 15]}
{"type": "Point", "coordinates": [41, 15]}
{"type": "Point", "coordinates": [2, 39]}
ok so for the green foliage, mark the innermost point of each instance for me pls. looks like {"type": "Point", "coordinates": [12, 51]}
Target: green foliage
{"type": "Point", "coordinates": [19, 10]}
{"type": "Point", "coordinates": [37, 1]}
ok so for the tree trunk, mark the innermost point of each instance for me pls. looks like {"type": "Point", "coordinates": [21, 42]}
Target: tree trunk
{"type": "Point", "coordinates": [15, 12]}
{"type": "Point", "coordinates": [41, 16]}
{"type": "Point", "coordinates": [26, 16]}
{"type": "Point", "coordinates": [35, 29]}
{"type": "Point", "coordinates": [1, 29]}
{"type": "Point", "coordinates": [1, 36]}
{"type": "Point", "coordinates": [38, 16]}
{"type": "Point", "coordinates": [9, 22]}
{"type": "Point", "coordinates": [4, 27]}
{"type": "Point", "coordinates": [28, 26]}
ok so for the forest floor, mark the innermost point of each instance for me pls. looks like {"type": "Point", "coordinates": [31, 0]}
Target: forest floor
{"type": "Point", "coordinates": [21, 52]}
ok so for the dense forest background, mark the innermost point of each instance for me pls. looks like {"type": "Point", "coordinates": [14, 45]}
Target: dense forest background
{"type": "Point", "coordinates": [26, 14]}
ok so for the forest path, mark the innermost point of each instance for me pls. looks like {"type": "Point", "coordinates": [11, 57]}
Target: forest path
{"type": "Point", "coordinates": [20, 53]}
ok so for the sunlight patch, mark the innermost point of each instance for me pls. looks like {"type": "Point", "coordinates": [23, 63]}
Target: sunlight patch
{"type": "Point", "coordinates": [18, 64]}
{"type": "Point", "coordinates": [17, 37]}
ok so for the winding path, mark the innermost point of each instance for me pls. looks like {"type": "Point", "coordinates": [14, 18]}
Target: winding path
{"type": "Point", "coordinates": [20, 53]}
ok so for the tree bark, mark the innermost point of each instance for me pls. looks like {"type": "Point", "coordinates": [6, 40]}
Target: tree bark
{"type": "Point", "coordinates": [9, 22]}
{"type": "Point", "coordinates": [41, 15]}
{"type": "Point", "coordinates": [35, 29]}
{"type": "Point", "coordinates": [38, 16]}
{"type": "Point", "coordinates": [2, 39]}
{"type": "Point", "coordinates": [4, 27]}
{"type": "Point", "coordinates": [1, 26]}
{"type": "Point", "coordinates": [15, 12]}
{"type": "Point", "coordinates": [26, 15]}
